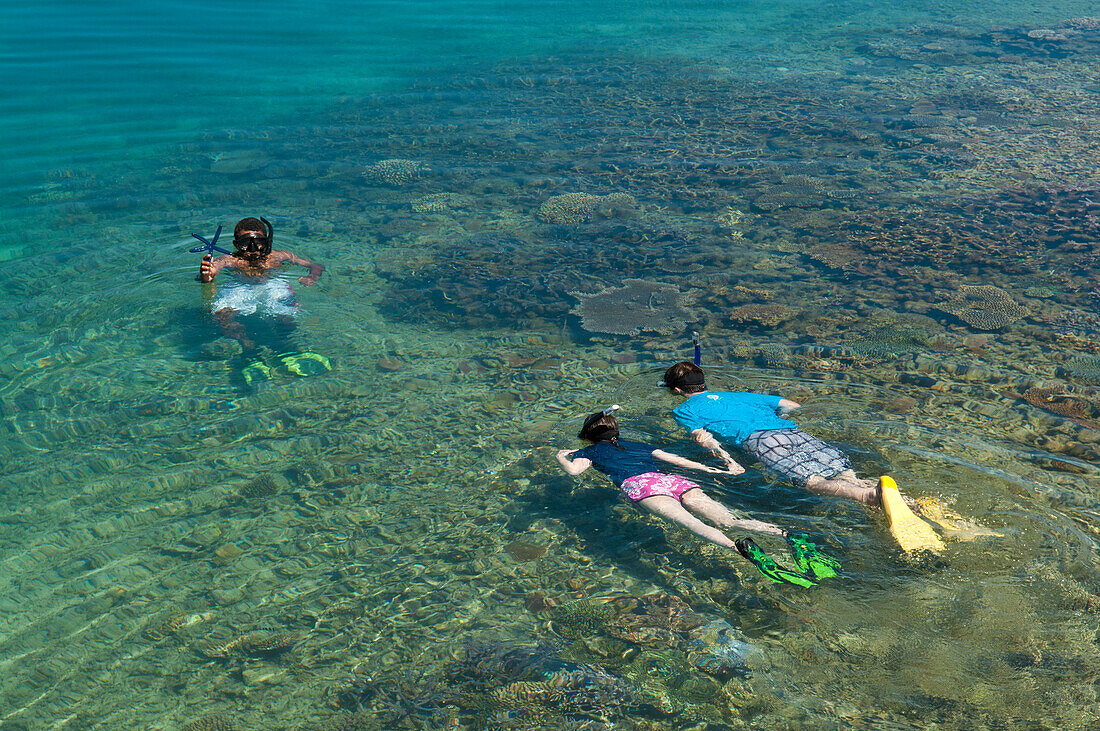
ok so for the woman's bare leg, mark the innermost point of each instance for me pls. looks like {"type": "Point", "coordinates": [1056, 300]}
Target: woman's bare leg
{"type": "Point", "coordinates": [702, 505]}
{"type": "Point", "coordinates": [671, 510]}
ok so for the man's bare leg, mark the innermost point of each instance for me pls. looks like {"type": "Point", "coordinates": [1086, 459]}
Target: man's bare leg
{"type": "Point", "coordinates": [702, 505]}
{"type": "Point", "coordinates": [846, 485]}
{"type": "Point", "coordinates": [227, 316]}
{"type": "Point", "coordinates": [671, 510]}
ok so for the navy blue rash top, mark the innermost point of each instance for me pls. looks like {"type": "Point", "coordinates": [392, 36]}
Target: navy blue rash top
{"type": "Point", "coordinates": [633, 459]}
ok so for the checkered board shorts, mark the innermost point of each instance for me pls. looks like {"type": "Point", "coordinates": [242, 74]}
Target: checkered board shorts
{"type": "Point", "coordinates": [795, 454]}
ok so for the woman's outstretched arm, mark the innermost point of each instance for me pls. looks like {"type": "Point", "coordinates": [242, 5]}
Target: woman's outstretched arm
{"type": "Point", "coordinates": [689, 463]}
{"type": "Point", "coordinates": [575, 466]}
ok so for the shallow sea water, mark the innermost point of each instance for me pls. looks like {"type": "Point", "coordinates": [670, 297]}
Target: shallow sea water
{"type": "Point", "coordinates": [888, 214]}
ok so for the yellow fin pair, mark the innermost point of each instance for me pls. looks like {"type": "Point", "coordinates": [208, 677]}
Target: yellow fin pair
{"type": "Point", "coordinates": [911, 533]}
{"type": "Point", "coordinates": [914, 534]}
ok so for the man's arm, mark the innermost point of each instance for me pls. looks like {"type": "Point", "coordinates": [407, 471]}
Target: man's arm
{"type": "Point", "coordinates": [707, 441]}
{"type": "Point", "coordinates": [209, 269]}
{"type": "Point", "coordinates": [786, 406]}
{"type": "Point", "coordinates": [315, 269]}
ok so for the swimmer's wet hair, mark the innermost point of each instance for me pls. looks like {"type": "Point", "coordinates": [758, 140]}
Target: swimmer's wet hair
{"type": "Point", "coordinates": [601, 427]}
{"type": "Point", "coordinates": [249, 224]}
{"type": "Point", "coordinates": [685, 376]}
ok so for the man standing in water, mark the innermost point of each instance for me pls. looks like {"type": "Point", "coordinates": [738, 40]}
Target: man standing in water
{"type": "Point", "coordinates": [754, 422]}
{"type": "Point", "coordinates": [267, 301]}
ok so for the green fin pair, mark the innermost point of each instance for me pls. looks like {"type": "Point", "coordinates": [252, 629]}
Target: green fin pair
{"type": "Point", "coordinates": [810, 560]}
{"type": "Point", "coordinates": [300, 364]}
{"type": "Point", "coordinates": [256, 372]}
{"type": "Point", "coordinates": [768, 567]}
{"type": "Point", "coordinates": [306, 364]}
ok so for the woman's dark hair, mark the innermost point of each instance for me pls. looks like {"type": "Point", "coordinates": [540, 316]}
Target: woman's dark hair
{"type": "Point", "coordinates": [601, 427]}
{"type": "Point", "coordinates": [687, 377]}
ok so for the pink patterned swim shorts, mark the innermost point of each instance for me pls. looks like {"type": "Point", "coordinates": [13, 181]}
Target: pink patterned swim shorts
{"type": "Point", "coordinates": [639, 487]}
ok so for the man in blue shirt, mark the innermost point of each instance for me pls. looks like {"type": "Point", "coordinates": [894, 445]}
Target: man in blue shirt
{"type": "Point", "coordinates": [754, 422]}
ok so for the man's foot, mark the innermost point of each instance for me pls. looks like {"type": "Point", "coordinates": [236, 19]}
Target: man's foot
{"type": "Point", "coordinates": [876, 494]}
{"type": "Point", "coordinates": [875, 498]}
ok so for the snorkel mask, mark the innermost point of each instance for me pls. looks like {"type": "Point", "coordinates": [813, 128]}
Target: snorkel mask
{"type": "Point", "coordinates": [253, 245]}
{"type": "Point", "coordinates": [601, 432]}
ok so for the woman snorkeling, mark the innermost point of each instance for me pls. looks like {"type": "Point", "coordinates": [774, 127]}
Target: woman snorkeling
{"type": "Point", "coordinates": [640, 471]}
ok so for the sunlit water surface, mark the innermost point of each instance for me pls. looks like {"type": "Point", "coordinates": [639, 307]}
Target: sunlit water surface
{"type": "Point", "coordinates": [886, 212]}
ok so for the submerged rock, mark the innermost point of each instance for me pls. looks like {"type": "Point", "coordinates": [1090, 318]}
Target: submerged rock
{"type": "Point", "coordinates": [524, 551]}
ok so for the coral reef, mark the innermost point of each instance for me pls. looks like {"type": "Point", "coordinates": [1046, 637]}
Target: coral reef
{"type": "Point", "coordinates": [251, 645]}
{"type": "Point", "coordinates": [762, 315]}
{"type": "Point", "coordinates": [636, 306]}
{"type": "Point", "coordinates": [210, 723]}
{"type": "Point", "coordinates": [584, 693]}
{"type": "Point", "coordinates": [1056, 400]}
{"type": "Point", "coordinates": [507, 662]}
{"type": "Point", "coordinates": [572, 208]}
{"type": "Point", "coordinates": [440, 203]}
{"type": "Point", "coordinates": [394, 172]}
{"type": "Point", "coordinates": [983, 307]}
{"type": "Point", "coordinates": [889, 338]}
{"type": "Point", "coordinates": [165, 625]}
{"type": "Point", "coordinates": [261, 486]}
{"type": "Point", "coordinates": [1083, 368]}
{"type": "Point", "coordinates": [580, 617]}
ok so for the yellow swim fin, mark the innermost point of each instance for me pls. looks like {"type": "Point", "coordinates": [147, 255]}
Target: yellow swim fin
{"type": "Point", "coordinates": [953, 525]}
{"type": "Point", "coordinates": [911, 533]}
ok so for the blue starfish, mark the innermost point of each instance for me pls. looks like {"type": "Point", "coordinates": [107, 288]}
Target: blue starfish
{"type": "Point", "coordinates": [209, 247]}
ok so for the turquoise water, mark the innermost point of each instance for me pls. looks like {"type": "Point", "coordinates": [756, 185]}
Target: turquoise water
{"type": "Point", "coordinates": [888, 214]}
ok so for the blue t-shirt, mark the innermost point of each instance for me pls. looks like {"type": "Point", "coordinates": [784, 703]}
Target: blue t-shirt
{"type": "Point", "coordinates": [633, 459]}
{"type": "Point", "coordinates": [731, 416]}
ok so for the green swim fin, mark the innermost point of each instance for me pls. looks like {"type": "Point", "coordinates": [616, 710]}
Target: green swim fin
{"type": "Point", "coordinates": [255, 372]}
{"type": "Point", "coordinates": [765, 565]}
{"type": "Point", "coordinates": [306, 364]}
{"type": "Point", "coordinates": [810, 560]}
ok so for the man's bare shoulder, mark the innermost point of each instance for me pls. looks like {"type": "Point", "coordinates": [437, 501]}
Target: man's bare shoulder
{"type": "Point", "coordinates": [279, 256]}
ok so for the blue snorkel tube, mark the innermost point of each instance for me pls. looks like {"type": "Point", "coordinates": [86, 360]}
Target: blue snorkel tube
{"type": "Point", "coordinates": [209, 247]}
{"type": "Point", "coordinates": [698, 357]}
{"type": "Point", "coordinates": [610, 409]}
